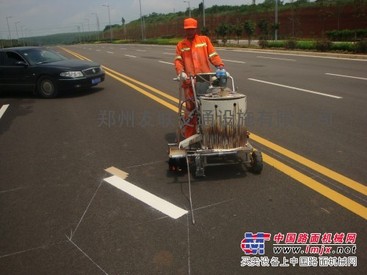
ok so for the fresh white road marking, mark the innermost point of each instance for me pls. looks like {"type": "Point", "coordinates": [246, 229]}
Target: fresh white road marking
{"type": "Point", "coordinates": [148, 198]}
{"type": "Point", "coordinates": [3, 109]}
{"type": "Point", "coordinates": [295, 88]}
{"type": "Point", "coordinates": [128, 55]}
{"type": "Point", "coordinates": [276, 58]}
{"type": "Point", "coordinates": [165, 62]}
{"type": "Point", "coordinates": [347, 76]}
{"type": "Point", "coordinates": [234, 61]}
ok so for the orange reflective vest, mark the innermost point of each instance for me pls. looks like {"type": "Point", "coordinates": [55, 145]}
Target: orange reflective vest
{"type": "Point", "coordinates": [193, 57]}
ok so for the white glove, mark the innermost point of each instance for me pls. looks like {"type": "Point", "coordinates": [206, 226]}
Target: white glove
{"type": "Point", "coordinates": [182, 76]}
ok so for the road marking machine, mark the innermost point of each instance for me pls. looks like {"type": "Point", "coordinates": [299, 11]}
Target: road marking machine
{"type": "Point", "coordinates": [221, 136]}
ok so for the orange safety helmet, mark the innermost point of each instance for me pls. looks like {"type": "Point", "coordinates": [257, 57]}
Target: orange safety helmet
{"type": "Point", "coordinates": [190, 23]}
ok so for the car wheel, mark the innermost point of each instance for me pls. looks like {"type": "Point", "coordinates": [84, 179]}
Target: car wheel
{"type": "Point", "coordinates": [46, 87]}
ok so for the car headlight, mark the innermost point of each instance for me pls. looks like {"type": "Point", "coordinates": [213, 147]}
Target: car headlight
{"type": "Point", "coordinates": [73, 74]}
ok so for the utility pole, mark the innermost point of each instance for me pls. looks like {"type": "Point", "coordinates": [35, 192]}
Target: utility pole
{"type": "Point", "coordinates": [276, 21]}
{"type": "Point", "coordinates": [7, 21]}
{"type": "Point", "coordinates": [109, 20]}
{"type": "Point", "coordinates": [188, 4]}
{"type": "Point", "coordinates": [141, 23]}
{"type": "Point", "coordinates": [203, 14]}
{"type": "Point", "coordinates": [97, 21]}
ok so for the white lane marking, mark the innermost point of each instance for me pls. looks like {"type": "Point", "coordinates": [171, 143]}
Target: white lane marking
{"type": "Point", "coordinates": [3, 109]}
{"type": "Point", "coordinates": [141, 50]}
{"type": "Point", "coordinates": [276, 58]}
{"type": "Point", "coordinates": [234, 61]}
{"type": "Point", "coordinates": [347, 76]}
{"type": "Point", "coordinates": [295, 88]}
{"type": "Point", "coordinates": [148, 198]}
{"type": "Point", "coordinates": [303, 55]}
{"type": "Point", "coordinates": [165, 62]}
{"type": "Point", "coordinates": [109, 52]}
{"type": "Point", "coordinates": [128, 55]}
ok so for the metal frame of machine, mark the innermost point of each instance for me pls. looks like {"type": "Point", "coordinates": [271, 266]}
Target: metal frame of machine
{"type": "Point", "coordinates": [220, 139]}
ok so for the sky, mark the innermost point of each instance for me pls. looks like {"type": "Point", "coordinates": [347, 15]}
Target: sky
{"type": "Point", "coordinates": [41, 17]}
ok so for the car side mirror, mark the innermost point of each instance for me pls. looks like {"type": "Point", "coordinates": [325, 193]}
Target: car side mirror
{"type": "Point", "coordinates": [21, 63]}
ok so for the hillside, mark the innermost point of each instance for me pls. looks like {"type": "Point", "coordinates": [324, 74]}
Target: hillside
{"type": "Point", "coordinates": [300, 19]}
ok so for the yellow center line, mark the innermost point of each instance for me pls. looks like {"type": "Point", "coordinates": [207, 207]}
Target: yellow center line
{"type": "Point", "coordinates": [312, 165]}
{"type": "Point", "coordinates": [349, 204]}
{"type": "Point", "coordinates": [75, 54]}
{"type": "Point", "coordinates": [307, 181]}
{"type": "Point", "coordinates": [174, 99]}
{"type": "Point", "coordinates": [140, 90]}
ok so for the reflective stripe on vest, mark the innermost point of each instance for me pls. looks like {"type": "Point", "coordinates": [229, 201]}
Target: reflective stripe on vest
{"type": "Point", "coordinates": [185, 49]}
{"type": "Point", "coordinates": [200, 45]}
{"type": "Point", "coordinates": [212, 54]}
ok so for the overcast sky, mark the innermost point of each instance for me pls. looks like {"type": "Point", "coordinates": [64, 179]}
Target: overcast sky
{"type": "Point", "coordinates": [40, 17]}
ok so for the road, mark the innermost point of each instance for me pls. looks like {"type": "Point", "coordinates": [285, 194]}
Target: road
{"type": "Point", "coordinates": [60, 214]}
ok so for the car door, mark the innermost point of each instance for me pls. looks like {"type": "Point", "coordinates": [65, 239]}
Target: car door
{"type": "Point", "coordinates": [15, 72]}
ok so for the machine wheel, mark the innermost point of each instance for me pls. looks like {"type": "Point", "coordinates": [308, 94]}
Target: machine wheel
{"type": "Point", "coordinates": [256, 165]}
{"type": "Point", "coordinates": [46, 87]}
{"type": "Point", "coordinates": [177, 165]}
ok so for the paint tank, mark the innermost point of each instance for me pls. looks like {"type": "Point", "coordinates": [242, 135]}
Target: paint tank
{"type": "Point", "coordinates": [222, 117]}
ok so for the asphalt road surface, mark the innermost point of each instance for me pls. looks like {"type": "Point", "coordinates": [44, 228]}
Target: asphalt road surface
{"type": "Point", "coordinates": [60, 214]}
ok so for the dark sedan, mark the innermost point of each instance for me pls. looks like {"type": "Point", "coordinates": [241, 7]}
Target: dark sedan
{"type": "Point", "coordinates": [45, 72]}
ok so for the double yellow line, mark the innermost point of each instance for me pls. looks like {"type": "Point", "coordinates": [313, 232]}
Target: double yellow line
{"type": "Point", "coordinates": [340, 199]}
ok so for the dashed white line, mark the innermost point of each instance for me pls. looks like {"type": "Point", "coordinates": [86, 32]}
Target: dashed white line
{"type": "Point", "coordinates": [295, 88]}
{"type": "Point", "coordinates": [276, 58]}
{"type": "Point", "coordinates": [150, 199]}
{"type": "Point", "coordinates": [128, 55]}
{"type": "Point", "coordinates": [234, 61]}
{"type": "Point", "coordinates": [109, 52]}
{"type": "Point", "coordinates": [347, 76]}
{"type": "Point", "coordinates": [3, 109]}
{"type": "Point", "coordinates": [165, 62]}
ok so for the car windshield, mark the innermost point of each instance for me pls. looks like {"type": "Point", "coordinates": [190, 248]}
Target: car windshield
{"type": "Point", "coordinates": [41, 56]}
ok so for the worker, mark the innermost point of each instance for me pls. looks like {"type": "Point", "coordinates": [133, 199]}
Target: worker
{"type": "Point", "coordinates": [193, 56]}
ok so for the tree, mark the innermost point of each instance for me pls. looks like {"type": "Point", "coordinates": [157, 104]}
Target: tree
{"type": "Point", "coordinates": [263, 25]}
{"type": "Point", "coordinates": [249, 29]}
{"type": "Point", "coordinates": [205, 31]}
{"type": "Point", "coordinates": [238, 30]}
{"type": "Point", "coordinates": [223, 30]}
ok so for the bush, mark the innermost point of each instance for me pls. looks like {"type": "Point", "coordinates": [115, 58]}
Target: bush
{"type": "Point", "coordinates": [263, 43]}
{"type": "Point", "coordinates": [276, 44]}
{"type": "Point", "coordinates": [343, 46]}
{"type": "Point", "coordinates": [291, 44]}
{"type": "Point", "coordinates": [361, 46]}
{"type": "Point", "coordinates": [306, 45]}
{"type": "Point", "coordinates": [323, 45]}
{"type": "Point", "coordinates": [346, 35]}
